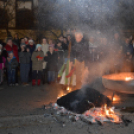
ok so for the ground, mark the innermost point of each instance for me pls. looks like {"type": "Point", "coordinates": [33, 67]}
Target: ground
{"type": "Point", "coordinates": [22, 111]}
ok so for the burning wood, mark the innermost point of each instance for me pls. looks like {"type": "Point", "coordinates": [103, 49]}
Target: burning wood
{"type": "Point", "coordinates": [94, 115]}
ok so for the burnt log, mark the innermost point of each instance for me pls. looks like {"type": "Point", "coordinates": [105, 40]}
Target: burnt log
{"type": "Point", "coordinates": [81, 100]}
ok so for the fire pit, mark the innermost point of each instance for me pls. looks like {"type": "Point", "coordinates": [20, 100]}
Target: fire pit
{"type": "Point", "coordinates": [121, 82]}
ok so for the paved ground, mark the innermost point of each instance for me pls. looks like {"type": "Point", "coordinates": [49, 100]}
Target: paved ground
{"type": "Point", "coordinates": [21, 111]}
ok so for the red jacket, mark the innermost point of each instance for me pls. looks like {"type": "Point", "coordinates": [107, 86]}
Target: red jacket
{"type": "Point", "coordinates": [14, 48]}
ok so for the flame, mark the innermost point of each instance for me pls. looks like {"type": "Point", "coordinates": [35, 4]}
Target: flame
{"type": "Point", "coordinates": [68, 88]}
{"type": "Point", "coordinates": [128, 78]}
{"type": "Point", "coordinates": [115, 98]}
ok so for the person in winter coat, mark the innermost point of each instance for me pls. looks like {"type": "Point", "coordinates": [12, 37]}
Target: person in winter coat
{"type": "Point", "coordinates": [79, 56]}
{"type": "Point", "coordinates": [60, 53]}
{"type": "Point", "coordinates": [31, 46]}
{"type": "Point", "coordinates": [16, 40]}
{"type": "Point", "coordinates": [25, 57]}
{"type": "Point", "coordinates": [2, 64]}
{"type": "Point", "coordinates": [52, 59]}
{"type": "Point", "coordinates": [11, 65]}
{"type": "Point", "coordinates": [11, 47]}
{"type": "Point", "coordinates": [45, 48]}
{"type": "Point", "coordinates": [37, 64]}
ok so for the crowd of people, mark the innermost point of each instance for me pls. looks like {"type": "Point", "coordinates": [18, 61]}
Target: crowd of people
{"type": "Point", "coordinates": [24, 60]}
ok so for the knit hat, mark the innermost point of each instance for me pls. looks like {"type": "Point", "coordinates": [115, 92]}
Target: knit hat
{"type": "Point", "coordinates": [38, 45]}
{"type": "Point", "coordinates": [30, 41]}
{"type": "Point", "coordinates": [22, 44]}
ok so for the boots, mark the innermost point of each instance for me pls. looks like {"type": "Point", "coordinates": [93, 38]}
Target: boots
{"type": "Point", "coordinates": [33, 82]}
{"type": "Point", "coordinates": [39, 81]}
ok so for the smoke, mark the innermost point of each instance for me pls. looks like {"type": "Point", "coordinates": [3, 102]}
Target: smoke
{"type": "Point", "coordinates": [98, 18]}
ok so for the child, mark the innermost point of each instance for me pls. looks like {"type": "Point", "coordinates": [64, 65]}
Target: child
{"type": "Point", "coordinates": [11, 65]}
{"type": "Point", "coordinates": [52, 59]}
{"type": "Point", "coordinates": [25, 58]}
{"type": "Point", "coordinates": [2, 65]}
{"type": "Point", "coordinates": [37, 64]}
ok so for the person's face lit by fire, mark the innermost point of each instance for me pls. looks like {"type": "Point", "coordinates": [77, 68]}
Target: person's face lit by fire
{"type": "Point", "coordinates": [39, 48]}
{"type": "Point", "coordinates": [61, 38]}
{"type": "Point", "coordinates": [31, 42]}
{"type": "Point", "coordinates": [51, 49]}
{"type": "Point", "coordinates": [22, 41]}
{"type": "Point", "coordinates": [44, 41]}
{"type": "Point", "coordinates": [65, 40]}
{"type": "Point", "coordinates": [10, 55]}
{"type": "Point", "coordinates": [127, 41]}
{"type": "Point", "coordinates": [10, 43]}
{"type": "Point", "coordinates": [59, 44]}
{"type": "Point", "coordinates": [68, 37]}
{"type": "Point", "coordinates": [26, 39]}
{"type": "Point", "coordinates": [50, 41]}
{"type": "Point", "coordinates": [78, 37]}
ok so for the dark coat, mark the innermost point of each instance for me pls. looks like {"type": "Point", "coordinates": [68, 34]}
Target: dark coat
{"type": "Point", "coordinates": [60, 53]}
{"type": "Point", "coordinates": [31, 48]}
{"type": "Point", "coordinates": [12, 64]}
{"type": "Point", "coordinates": [80, 51]}
{"type": "Point", "coordinates": [51, 60]}
{"type": "Point", "coordinates": [17, 42]}
{"type": "Point", "coordinates": [25, 57]}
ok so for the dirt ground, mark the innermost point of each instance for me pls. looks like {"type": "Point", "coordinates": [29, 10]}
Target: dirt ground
{"type": "Point", "coordinates": [22, 112]}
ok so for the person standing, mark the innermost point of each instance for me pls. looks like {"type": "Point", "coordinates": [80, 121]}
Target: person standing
{"type": "Point", "coordinates": [37, 64]}
{"type": "Point", "coordinates": [52, 59]}
{"type": "Point", "coordinates": [11, 47]}
{"type": "Point", "coordinates": [25, 57]}
{"type": "Point", "coordinates": [45, 48]}
{"type": "Point", "coordinates": [11, 65]}
{"type": "Point", "coordinates": [78, 56]}
{"type": "Point", "coordinates": [31, 46]}
{"type": "Point", "coordinates": [16, 40]}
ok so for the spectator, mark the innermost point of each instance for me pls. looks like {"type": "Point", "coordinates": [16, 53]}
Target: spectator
{"type": "Point", "coordinates": [45, 48]}
{"type": "Point", "coordinates": [2, 64]}
{"type": "Point", "coordinates": [11, 65]}
{"type": "Point", "coordinates": [68, 38]}
{"type": "Point", "coordinates": [24, 57]}
{"type": "Point", "coordinates": [50, 42]}
{"type": "Point", "coordinates": [26, 40]}
{"type": "Point", "coordinates": [11, 47]}
{"type": "Point", "coordinates": [16, 40]}
{"type": "Point", "coordinates": [22, 40]}
{"type": "Point", "coordinates": [52, 59]}
{"type": "Point", "coordinates": [31, 46]}
{"type": "Point", "coordinates": [60, 53]}
{"type": "Point", "coordinates": [37, 64]}
{"type": "Point", "coordinates": [65, 44]}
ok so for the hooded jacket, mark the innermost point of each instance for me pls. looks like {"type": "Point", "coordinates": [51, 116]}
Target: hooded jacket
{"type": "Point", "coordinates": [12, 64]}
